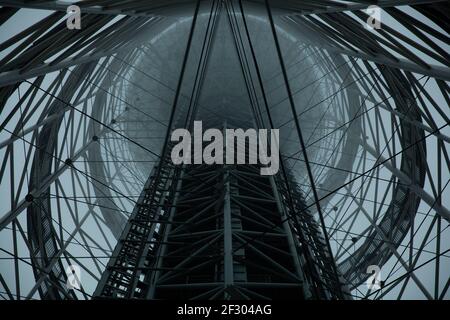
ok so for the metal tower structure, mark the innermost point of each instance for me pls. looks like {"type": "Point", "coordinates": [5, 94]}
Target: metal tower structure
{"type": "Point", "coordinates": [86, 177]}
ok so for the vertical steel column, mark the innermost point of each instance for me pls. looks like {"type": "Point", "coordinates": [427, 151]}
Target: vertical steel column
{"type": "Point", "coordinates": [227, 233]}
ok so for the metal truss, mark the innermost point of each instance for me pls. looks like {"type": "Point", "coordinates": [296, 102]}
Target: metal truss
{"type": "Point", "coordinates": [363, 115]}
{"type": "Point", "coordinates": [195, 241]}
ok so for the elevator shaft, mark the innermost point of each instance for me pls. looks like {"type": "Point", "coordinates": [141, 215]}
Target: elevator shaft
{"type": "Point", "coordinates": [219, 232]}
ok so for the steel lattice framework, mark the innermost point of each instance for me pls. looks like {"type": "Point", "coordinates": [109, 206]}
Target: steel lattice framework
{"type": "Point", "coordinates": [85, 176]}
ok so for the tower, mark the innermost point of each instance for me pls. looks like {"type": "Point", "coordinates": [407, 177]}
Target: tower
{"type": "Point", "coordinates": [88, 181]}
